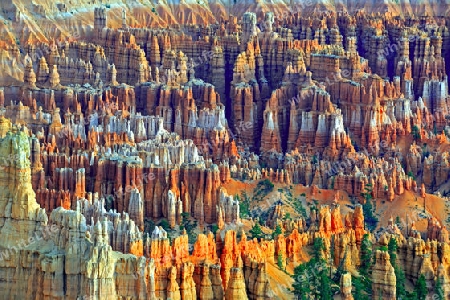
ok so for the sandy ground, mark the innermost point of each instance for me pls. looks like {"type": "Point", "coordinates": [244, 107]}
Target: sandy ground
{"type": "Point", "coordinates": [407, 206]}
{"type": "Point", "coordinates": [280, 282]}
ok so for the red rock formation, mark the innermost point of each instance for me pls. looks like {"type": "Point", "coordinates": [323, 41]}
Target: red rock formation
{"type": "Point", "coordinates": [124, 132]}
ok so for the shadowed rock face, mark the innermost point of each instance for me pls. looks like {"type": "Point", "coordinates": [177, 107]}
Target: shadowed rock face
{"type": "Point", "coordinates": [147, 112]}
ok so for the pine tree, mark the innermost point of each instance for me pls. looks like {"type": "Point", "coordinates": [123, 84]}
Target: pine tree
{"type": "Point", "coordinates": [439, 290]}
{"type": "Point", "coordinates": [400, 283]}
{"type": "Point", "coordinates": [318, 247]}
{"type": "Point", "coordinates": [392, 250]}
{"type": "Point", "coordinates": [301, 285]}
{"type": "Point", "coordinates": [164, 224]}
{"type": "Point", "coordinates": [311, 279]}
{"type": "Point", "coordinates": [370, 219]}
{"type": "Point", "coordinates": [280, 260]}
{"type": "Point", "coordinates": [325, 286]}
{"type": "Point", "coordinates": [256, 231]}
{"type": "Point", "coordinates": [320, 271]}
{"type": "Point", "coordinates": [359, 289]}
{"type": "Point", "coordinates": [399, 274]}
{"type": "Point", "coordinates": [366, 255]}
{"type": "Point", "coordinates": [415, 131]}
{"type": "Point", "coordinates": [412, 295]}
{"type": "Point", "coordinates": [277, 231]}
{"type": "Point", "coordinates": [421, 288]}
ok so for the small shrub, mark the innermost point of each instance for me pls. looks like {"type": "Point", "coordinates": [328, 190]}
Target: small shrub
{"type": "Point", "coordinates": [280, 261]}
{"type": "Point", "coordinates": [244, 205]}
{"type": "Point", "coordinates": [164, 224]}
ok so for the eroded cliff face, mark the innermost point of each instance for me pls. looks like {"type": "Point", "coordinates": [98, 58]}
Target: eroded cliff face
{"type": "Point", "coordinates": [130, 120]}
{"type": "Point", "coordinates": [89, 252]}
{"type": "Point", "coordinates": [103, 254]}
{"type": "Point", "coordinates": [348, 103]}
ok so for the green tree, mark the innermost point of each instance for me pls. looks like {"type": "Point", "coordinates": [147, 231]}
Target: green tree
{"type": "Point", "coordinates": [369, 218]}
{"type": "Point", "coordinates": [392, 250]}
{"type": "Point", "coordinates": [318, 247]}
{"type": "Point", "coordinates": [277, 231]}
{"type": "Point", "coordinates": [311, 279]}
{"type": "Point", "coordinates": [411, 174]}
{"type": "Point", "coordinates": [415, 132]}
{"type": "Point", "coordinates": [188, 224]}
{"type": "Point", "coordinates": [439, 290]}
{"type": "Point", "coordinates": [164, 224]}
{"type": "Point", "coordinates": [321, 270]}
{"type": "Point", "coordinates": [256, 231]}
{"type": "Point", "coordinates": [298, 206]}
{"type": "Point", "coordinates": [366, 255]}
{"type": "Point", "coordinates": [383, 248]}
{"type": "Point", "coordinates": [149, 226]}
{"type": "Point", "coordinates": [184, 218]}
{"type": "Point", "coordinates": [412, 295]}
{"type": "Point", "coordinates": [325, 286]}
{"type": "Point", "coordinates": [301, 286]}
{"type": "Point", "coordinates": [244, 205]}
{"type": "Point", "coordinates": [266, 185]}
{"type": "Point", "coordinates": [421, 288]}
{"type": "Point", "coordinates": [358, 289]}
{"type": "Point", "coordinates": [280, 260]}
{"type": "Point", "coordinates": [399, 274]}
{"type": "Point", "coordinates": [400, 281]}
